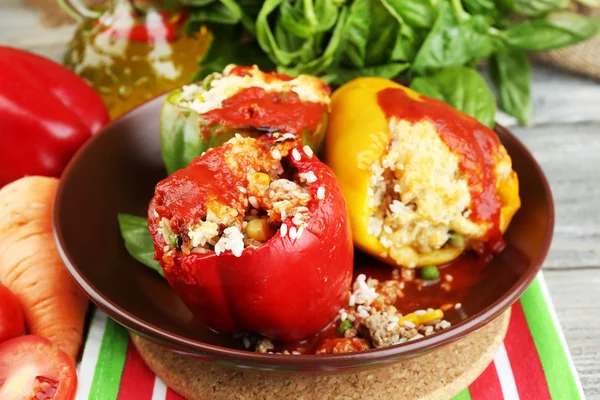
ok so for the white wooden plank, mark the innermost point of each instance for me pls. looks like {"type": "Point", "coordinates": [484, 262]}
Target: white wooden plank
{"type": "Point", "coordinates": [20, 27]}
{"type": "Point", "coordinates": [559, 97]}
{"type": "Point", "coordinates": [570, 157]}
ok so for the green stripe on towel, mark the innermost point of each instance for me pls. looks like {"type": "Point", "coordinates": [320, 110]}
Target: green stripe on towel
{"type": "Point", "coordinates": [111, 360]}
{"type": "Point", "coordinates": [549, 346]}
{"type": "Point", "coordinates": [464, 395]}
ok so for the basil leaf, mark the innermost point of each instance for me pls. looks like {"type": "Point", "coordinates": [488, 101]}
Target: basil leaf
{"type": "Point", "coordinates": [405, 49]}
{"type": "Point", "coordinates": [353, 46]}
{"type": "Point", "coordinates": [327, 13]}
{"type": "Point", "coordinates": [266, 39]}
{"type": "Point", "coordinates": [453, 43]}
{"type": "Point", "coordinates": [138, 241]}
{"type": "Point", "coordinates": [506, 5]}
{"type": "Point", "coordinates": [222, 12]}
{"type": "Point", "coordinates": [318, 65]}
{"type": "Point", "coordinates": [287, 41]}
{"type": "Point", "coordinates": [251, 7]}
{"type": "Point", "coordinates": [562, 30]}
{"type": "Point", "coordinates": [248, 9]}
{"type": "Point", "coordinates": [292, 19]}
{"type": "Point", "coordinates": [305, 19]}
{"type": "Point", "coordinates": [464, 89]}
{"type": "Point", "coordinates": [511, 75]}
{"type": "Point", "coordinates": [383, 36]}
{"type": "Point", "coordinates": [537, 8]}
{"type": "Point", "coordinates": [484, 7]}
{"type": "Point", "coordinates": [407, 46]}
{"type": "Point", "coordinates": [416, 13]}
{"type": "Point", "coordinates": [429, 86]}
{"type": "Point", "coordinates": [227, 48]}
{"type": "Point", "coordinates": [198, 3]}
{"type": "Point", "coordinates": [389, 71]}
{"type": "Point", "coordinates": [292, 43]}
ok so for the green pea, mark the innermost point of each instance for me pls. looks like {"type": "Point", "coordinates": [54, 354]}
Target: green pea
{"type": "Point", "coordinates": [430, 273]}
{"type": "Point", "coordinates": [456, 239]}
{"type": "Point", "coordinates": [344, 325]}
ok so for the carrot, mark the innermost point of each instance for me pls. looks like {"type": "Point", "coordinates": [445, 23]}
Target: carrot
{"type": "Point", "coordinates": [31, 268]}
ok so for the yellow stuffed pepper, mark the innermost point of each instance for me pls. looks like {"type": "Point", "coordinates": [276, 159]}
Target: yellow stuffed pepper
{"type": "Point", "coordinates": [423, 181]}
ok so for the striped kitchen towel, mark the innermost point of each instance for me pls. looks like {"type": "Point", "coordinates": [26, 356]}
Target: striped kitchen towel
{"type": "Point", "coordinates": [533, 363]}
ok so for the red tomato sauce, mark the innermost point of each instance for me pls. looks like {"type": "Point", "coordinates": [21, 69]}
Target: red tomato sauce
{"type": "Point", "coordinates": [184, 195]}
{"type": "Point", "coordinates": [240, 70]}
{"type": "Point", "coordinates": [466, 271]}
{"type": "Point", "coordinates": [272, 111]}
{"type": "Point", "coordinates": [475, 144]}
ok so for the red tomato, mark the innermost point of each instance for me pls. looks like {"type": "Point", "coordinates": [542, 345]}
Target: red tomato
{"type": "Point", "coordinates": [32, 368]}
{"type": "Point", "coordinates": [11, 315]}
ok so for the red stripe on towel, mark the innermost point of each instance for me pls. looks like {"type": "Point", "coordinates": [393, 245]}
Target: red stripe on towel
{"type": "Point", "coordinates": [138, 380]}
{"type": "Point", "coordinates": [524, 358]}
{"type": "Point", "coordinates": [487, 386]}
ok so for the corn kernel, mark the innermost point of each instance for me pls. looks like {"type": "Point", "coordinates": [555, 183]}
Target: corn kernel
{"type": "Point", "coordinates": [431, 316]}
{"type": "Point", "coordinates": [260, 178]}
{"type": "Point", "coordinates": [412, 317]}
{"type": "Point", "coordinates": [259, 229]}
{"type": "Point", "coordinates": [200, 97]}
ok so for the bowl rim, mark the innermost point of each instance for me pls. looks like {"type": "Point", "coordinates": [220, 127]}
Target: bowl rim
{"type": "Point", "coordinates": [373, 356]}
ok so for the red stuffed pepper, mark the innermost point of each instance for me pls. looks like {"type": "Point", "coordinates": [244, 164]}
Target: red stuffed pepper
{"type": "Point", "coordinates": [254, 235]}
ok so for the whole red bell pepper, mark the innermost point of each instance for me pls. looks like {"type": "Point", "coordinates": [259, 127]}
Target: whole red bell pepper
{"type": "Point", "coordinates": [288, 287]}
{"type": "Point", "coordinates": [46, 113]}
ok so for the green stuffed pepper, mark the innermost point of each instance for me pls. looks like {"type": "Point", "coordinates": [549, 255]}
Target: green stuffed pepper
{"type": "Point", "coordinates": [241, 100]}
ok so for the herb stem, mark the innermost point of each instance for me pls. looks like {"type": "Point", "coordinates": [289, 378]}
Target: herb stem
{"type": "Point", "coordinates": [461, 14]}
{"type": "Point", "coordinates": [310, 12]}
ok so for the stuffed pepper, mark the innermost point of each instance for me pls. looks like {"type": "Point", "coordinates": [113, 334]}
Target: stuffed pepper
{"type": "Point", "coordinates": [423, 181]}
{"type": "Point", "coordinates": [241, 100]}
{"type": "Point", "coordinates": [254, 235]}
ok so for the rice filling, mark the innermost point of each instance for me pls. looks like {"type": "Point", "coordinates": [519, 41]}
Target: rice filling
{"type": "Point", "coordinates": [418, 196]}
{"type": "Point", "coordinates": [271, 192]}
{"type": "Point", "coordinates": [217, 88]}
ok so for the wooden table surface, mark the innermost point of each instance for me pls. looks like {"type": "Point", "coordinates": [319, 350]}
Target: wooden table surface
{"type": "Point", "coordinates": [565, 139]}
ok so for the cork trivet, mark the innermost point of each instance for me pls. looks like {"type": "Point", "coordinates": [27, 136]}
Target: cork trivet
{"type": "Point", "coordinates": [440, 374]}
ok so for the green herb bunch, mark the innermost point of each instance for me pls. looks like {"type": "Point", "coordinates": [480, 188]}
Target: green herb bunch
{"type": "Point", "coordinates": [433, 45]}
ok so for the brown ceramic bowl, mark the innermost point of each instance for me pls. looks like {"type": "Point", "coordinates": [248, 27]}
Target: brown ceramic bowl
{"type": "Point", "coordinates": [116, 172]}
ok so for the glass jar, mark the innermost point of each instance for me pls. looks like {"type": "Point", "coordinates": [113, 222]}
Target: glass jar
{"type": "Point", "coordinates": [133, 50]}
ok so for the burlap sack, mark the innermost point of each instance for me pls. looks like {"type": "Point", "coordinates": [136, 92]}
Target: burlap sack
{"type": "Point", "coordinates": [582, 58]}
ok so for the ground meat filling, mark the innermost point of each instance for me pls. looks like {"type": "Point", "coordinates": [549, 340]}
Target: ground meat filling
{"type": "Point", "coordinates": [419, 198]}
{"type": "Point", "coordinates": [343, 345]}
{"type": "Point", "coordinates": [372, 317]}
{"type": "Point", "coordinates": [272, 191]}
{"type": "Point", "coordinates": [371, 320]}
